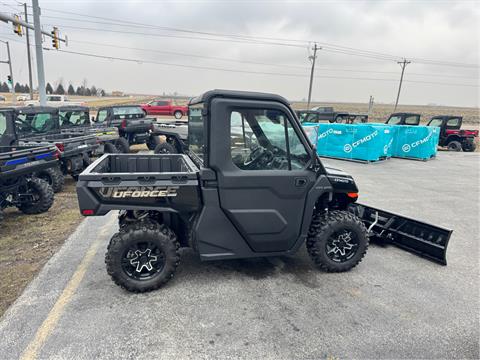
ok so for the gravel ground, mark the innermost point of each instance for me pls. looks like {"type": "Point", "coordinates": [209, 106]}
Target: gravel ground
{"type": "Point", "coordinates": [393, 305]}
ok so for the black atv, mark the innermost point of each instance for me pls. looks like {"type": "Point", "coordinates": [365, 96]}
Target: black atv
{"type": "Point", "coordinates": [18, 185]}
{"type": "Point", "coordinates": [250, 185]}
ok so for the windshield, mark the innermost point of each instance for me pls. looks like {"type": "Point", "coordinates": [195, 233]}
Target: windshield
{"type": "Point", "coordinates": [31, 124]}
{"type": "Point", "coordinates": [73, 118]}
{"type": "Point", "coordinates": [128, 112]}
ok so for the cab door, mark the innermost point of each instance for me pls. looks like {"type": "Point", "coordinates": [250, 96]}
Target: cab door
{"type": "Point", "coordinates": [262, 170]}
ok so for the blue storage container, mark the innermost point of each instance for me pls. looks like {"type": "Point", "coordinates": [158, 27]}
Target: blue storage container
{"type": "Point", "coordinates": [416, 142]}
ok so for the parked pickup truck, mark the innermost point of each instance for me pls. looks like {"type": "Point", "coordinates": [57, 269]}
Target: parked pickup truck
{"type": "Point", "coordinates": [39, 126]}
{"type": "Point", "coordinates": [76, 120]}
{"type": "Point", "coordinates": [18, 185]}
{"type": "Point", "coordinates": [451, 134]}
{"type": "Point", "coordinates": [133, 125]}
{"type": "Point", "coordinates": [55, 101]}
{"type": "Point", "coordinates": [233, 197]}
{"type": "Point", "coordinates": [164, 107]}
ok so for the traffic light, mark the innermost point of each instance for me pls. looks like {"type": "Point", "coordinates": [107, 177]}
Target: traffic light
{"type": "Point", "coordinates": [17, 28]}
{"type": "Point", "coordinates": [55, 41]}
{"type": "Point", "coordinates": [9, 79]}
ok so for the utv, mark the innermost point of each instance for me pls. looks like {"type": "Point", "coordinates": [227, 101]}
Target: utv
{"type": "Point", "coordinates": [176, 137]}
{"type": "Point", "coordinates": [263, 193]}
{"type": "Point", "coordinates": [18, 186]}
{"type": "Point", "coordinates": [75, 120]}
{"type": "Point", "coordinates": [133, 125]}
{"type": "Point", "coordinates": [37, 126]}
{"type": "Point", "coordinates": [451, 136]}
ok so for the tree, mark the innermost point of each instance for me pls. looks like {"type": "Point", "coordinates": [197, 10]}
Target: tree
{"type": "Point", "coordinates": [102, 93]}
{"type": "Point", "coordinates": [60, 90]}
{"type": "Point", "coordinates": [71, 90]}
{"type": "Point", "coordinates": [88, 92]}
{"type": "Point", "coordinates": [19, 88]}
{"type": "Point", "coordinates": [93, 90]}
{"type": "Point", "coordinates": [26, 88]}
{"type": "Point", "coordinates": [49, 89]}
{"type": "Point", "coordinates": [80, 90]}
{"type": "Point", "coordinates": [4, 87]}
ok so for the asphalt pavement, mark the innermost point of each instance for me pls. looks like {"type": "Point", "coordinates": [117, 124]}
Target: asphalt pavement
{"type": "Point", "coordinates": [393, 305]}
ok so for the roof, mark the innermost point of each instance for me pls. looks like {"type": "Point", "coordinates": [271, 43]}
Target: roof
{"type": "Point", "coordinates": [446, 117]}
{"type": "Point", "coordinates": [405, 114]}
{"type": "Point", "coordinates": [248, 95]}
{"type": "Point", "coordinates": [36, 109]}
{"type": "Point", "coordinates": [73, 108]}
{"type": "Point", "coordinates": [116, 106]}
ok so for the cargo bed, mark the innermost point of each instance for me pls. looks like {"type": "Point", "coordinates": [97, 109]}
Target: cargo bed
{"type": "Point", "coordinates": [20, 160]}
{"type": "Point", "coordinates": [138, 182]}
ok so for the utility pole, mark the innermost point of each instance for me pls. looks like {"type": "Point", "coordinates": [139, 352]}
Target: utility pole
{"type": "Point", "coordinates": [10, 77]}
{"type": "Point", "coordinates": [30, 80]}
{"type": "Point", "coordinates": [313, 58]}
{"type": "Point", "coordinates": [403, 64]}
{"type": "Point", "coordinates": [39, 53]}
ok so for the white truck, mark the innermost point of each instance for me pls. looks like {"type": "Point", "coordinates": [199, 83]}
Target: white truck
{"type": "Point", "coordinates": [56, 101]}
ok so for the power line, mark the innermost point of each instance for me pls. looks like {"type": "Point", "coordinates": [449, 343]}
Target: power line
{"type": "Point", "coordinates": [141, 61]}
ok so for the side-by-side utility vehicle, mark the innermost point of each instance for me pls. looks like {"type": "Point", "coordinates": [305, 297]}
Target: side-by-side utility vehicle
{"type": "Point", "coordinates": [452, 135]}
{"type": "Point", "coordinates": [133, 125]}
{"type": "Point", "coordinates": [38, 126]}
{"type": "Point", "coordinates": [250, 185]}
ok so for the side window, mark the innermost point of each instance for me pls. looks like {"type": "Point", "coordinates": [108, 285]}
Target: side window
{"type": "Point", "coordinates": [435, 122]}
{"type": "Point", "coordinates": [102, 116]}
{"type": "Point", "coordinates": [453, 122]}
{"type": "Point", "coordinates": [3, 124]}
{"type": "Point", "coordinates": [161, 103]}
{"type": "Point", "coordinates": [394, 120]}
{"type": "Point", "coordinates": [42, 122]}
{"type": "Point", "coordinates": [263, 139]}
{"type": "Point", "coordinates": [411, 120]}
{"type": "Point", "coordinates": [196, 138]}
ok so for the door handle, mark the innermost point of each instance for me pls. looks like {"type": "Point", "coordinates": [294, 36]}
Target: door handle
{"type": "Point", "coordinates": [300, 182]}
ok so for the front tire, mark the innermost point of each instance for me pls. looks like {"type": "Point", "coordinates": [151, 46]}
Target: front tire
{"type": "Point", "coordinates": [337, 241]}
{"type": "Point", "coordinates": [54, 177]}
{"type": "Point", "coordinates": [178, 114]}
{"type": "Point", "coordinates": [454, 146]}
{"type": "Point", "coordinates": [122, 145]}
{"type": "Point", "coordinates": [42, 194]}
{"type": "Point", "coordinates": [165, 148]}
{"type": "Point", "coordinates": [142, 257]}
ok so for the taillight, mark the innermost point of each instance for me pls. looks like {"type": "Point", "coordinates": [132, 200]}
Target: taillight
{"type": "Point", "coordinates": [60, 147]}
{"type": "Point", "coordinates": [88, 212]}
{"type": "Point", "coordinates": [352, 195]}
{"type": "Point", "coordinates": [123, 125]}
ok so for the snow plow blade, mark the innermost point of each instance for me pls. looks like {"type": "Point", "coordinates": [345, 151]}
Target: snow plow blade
{"type": "Point", "coordinates": [423, 239]}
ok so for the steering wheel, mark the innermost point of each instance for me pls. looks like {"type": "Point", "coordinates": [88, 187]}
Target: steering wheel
{"type": "Point", "coordinates": [258, 155]}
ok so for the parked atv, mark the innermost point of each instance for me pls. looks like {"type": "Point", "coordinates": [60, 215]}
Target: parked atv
{"type": "Point", "coordinates": [38, 126]}
{"type": "Point", "coordinates": [263, 193]}
{"type": "Point", "coordinates": [176, 137]}
{"type": "Point", "coordinates": [451, 134]}
{"type": "Point", "coordinates": [18, 185]}
{"type": "Point", "coordinates": [133, 125]}
{"type": "Point", "coordinates": [75, 120]}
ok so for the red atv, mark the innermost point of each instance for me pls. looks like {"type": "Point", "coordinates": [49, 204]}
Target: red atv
{"type": "Point", "coordinates": [451, 136]}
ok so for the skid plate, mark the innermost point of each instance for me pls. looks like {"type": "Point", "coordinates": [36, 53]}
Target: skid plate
{"type": "Point", "coordinates": [423, 239]}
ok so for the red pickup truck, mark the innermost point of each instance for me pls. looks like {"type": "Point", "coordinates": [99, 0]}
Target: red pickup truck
{"type": "Point", "coordinates": [164, 107]}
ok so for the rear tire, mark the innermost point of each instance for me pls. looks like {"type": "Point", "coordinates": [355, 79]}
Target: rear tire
{"type": "Point", "coordinates": [178, 114]}
{"type": "Point", "coordinates": [109, 148]}
{"type": "Point", "coordinates": [469, 146]}
{"type": "Point", "coordinates": [54, 177]}
{"type": "Point", "coordinates": [337, 241]}
{"type": "Point", "coordinates": [44, 197]}
{"type": "Point", "coordinates": [165, 148]}
{"type": "Point", "coordinates": [122, 145]}
{"type": "Point", "coordinates": [454, 146]}
{"type": "Point", "coordinates": [143, 256]}
{"type": "Point", "coordinates": [153, 141]}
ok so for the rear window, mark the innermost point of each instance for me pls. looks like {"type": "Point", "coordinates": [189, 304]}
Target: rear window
{"type": "Point", "coordinates": [3, 123]}
{"type": "Point", "coordinates": [26, 124]}
{"type": "Point", "coordinates": [196, 136]}
{"type": "Point", "coordinates": [128, 112]}
{"type": "Point", "coordinates": [435, 122]}
{"type": "Point", "coordinates": [394, 120]}
{"type": "Point", "coordinates": [411, 120]}
{"type": "Point", "coordinates": [73, 118]}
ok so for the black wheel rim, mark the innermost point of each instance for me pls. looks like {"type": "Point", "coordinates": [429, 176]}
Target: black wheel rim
{"type": "Point", "coordinates": [143, 261]}
{"type": "Point", "coordinates": [342, 245]}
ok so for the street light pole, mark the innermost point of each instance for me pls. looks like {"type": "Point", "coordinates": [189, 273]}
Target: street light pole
{"type": "Point", "coordinates": [29, 57]}
{"type": "Point", "coordinates": [14, 97]}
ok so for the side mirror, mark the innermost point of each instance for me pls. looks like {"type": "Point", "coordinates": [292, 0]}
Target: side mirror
{"type": "Point", "coordinates": [314, 157]}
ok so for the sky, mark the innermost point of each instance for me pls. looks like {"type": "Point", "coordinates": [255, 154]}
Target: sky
{"type": "Point", "coordinates": [188, 47]}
